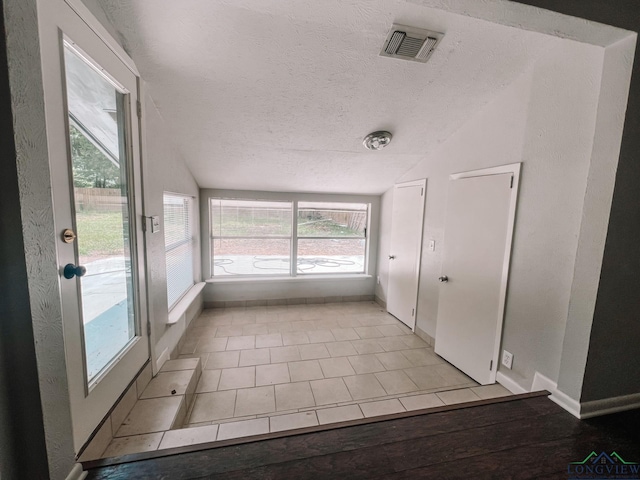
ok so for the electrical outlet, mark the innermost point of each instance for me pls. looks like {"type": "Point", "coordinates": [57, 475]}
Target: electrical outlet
{"type": "Point", "coordinates": [507, 359]}
{"type": "Point", "coordinates": [378, 279]}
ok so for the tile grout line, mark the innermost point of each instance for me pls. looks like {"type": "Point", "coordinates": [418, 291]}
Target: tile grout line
{"type": "Point", "coordinates": [293, 324]}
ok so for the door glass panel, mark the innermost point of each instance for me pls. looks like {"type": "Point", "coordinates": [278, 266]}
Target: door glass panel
{"type": "Point", "coordinates": [96, 110]}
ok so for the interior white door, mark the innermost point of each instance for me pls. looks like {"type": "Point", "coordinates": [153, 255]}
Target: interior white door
{"type": "Point", "coordinates": [477, 235]}
{"type": "Point", "coordinates": [406, 247]}
{"type": "Point", "coordinates": [92, 130]}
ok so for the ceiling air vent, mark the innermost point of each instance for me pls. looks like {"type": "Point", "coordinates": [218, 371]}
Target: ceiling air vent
{"type": "Point", "coordinates": [408, 43]}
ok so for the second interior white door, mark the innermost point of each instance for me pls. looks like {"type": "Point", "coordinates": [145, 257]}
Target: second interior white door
{"type": "Point", "coordinates": [478, 227]}
{"type": "Point", "coordinates": [406, 247]}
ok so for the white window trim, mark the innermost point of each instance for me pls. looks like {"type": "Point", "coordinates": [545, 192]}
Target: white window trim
{"type": "Point", "coordinates": [293, 274]}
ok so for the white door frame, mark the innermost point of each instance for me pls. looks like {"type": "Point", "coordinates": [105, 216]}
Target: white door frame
{"type": "Point", "coordinates": [100, 30]}
{"type": "Point", "coordinates": [92, 22]}
{"type": "Point", "coordinates": [423, 184]}
{"type": "Point", "coordinates": [514, 169]}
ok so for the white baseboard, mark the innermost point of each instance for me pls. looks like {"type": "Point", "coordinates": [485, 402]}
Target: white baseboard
{"type": "Point", "coordinates": [595, 408]}
{"type": "Point", "coordinates": [540, 382]}
{"type": "Point", "coordinates": [565, 401]}
{"type": "Point", "coordinates": [425, 336]}
{"type": "Point", "coordinates": [509, 384]}
{"type": "Point", "coordinates": [77, 473]}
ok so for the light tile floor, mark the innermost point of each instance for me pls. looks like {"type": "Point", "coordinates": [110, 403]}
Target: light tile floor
{"type": "Point", "coordinates": [268, 369]}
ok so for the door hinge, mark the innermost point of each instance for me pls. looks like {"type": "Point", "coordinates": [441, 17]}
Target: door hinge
{"type": "Point", "coordinates": [511, 185]}
{"type": "Point", "coordinates": [139, 108]}
{"type": "Point", "coordinates": [422, 191]}
{"type": "Point", "coordinates": [148, 328]}
{"type": "Point", "coordinates": [491, 365]}
{"type": "Point", "coordinates": [365, 232]}
{"type": "Point", "coordinates": [413, 310]}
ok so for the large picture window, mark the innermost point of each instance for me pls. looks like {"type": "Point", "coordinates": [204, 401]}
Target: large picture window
{"type": "Point", "coordinates": [179, 245]}
{"type": "Point", "coordinates": [256, 237]}
{"type": "Point", "coordinates": [250, 237]}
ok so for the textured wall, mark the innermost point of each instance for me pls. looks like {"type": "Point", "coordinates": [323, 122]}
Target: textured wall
{"type": "Point", "coordinates": [384, 244]}
{"type": "Point", "coordinates": [546, 120]}
{"type": "Point", "coordinates": [164, 170]}
{"type": "Point", "coordinates": [22, 444]}
{"type": "Point", "coordinates": [612, 365]}
{"type": "Point", "coordinates": [618, 61]}
{"type": "Point", "coordinates": [38, 230]}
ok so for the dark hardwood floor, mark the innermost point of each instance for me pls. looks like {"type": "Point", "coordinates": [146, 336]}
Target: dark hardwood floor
{"type": "Point", "coordinates": [522, 438]}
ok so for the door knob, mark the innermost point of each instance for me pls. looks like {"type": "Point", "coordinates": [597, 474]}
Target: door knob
{"type": "Point", "coordinates": [443, 279]}
{"type": "Point", "coordinates": [392, 257]}
{"type": "Point", "coordinates": [70, 271]}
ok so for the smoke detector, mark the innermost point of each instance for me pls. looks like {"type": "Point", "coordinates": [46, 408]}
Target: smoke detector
{"type": "Point", "coordinates": [408, 43]}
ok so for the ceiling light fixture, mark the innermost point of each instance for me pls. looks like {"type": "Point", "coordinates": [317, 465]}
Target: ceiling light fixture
{"type": "Point", "coordinates": [377, 140]}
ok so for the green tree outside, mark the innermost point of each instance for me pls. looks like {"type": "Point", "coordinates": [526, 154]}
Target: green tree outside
{"type": "Point", "coordinates": [91, 168]}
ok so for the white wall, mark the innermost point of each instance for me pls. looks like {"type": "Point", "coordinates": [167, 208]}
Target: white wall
{"type": "Point", "coordinates": [164, 171]}
{"type": "Point", "coordinates": [384, 244]}
{"type": "Point", "coordinates": [546, 120]}
{"type": "Point", "coordinates": [231, 290]}
{"type": "Point", "coordinates": [585, 335]}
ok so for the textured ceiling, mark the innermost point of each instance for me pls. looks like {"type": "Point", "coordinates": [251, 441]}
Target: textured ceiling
{"type": "Point", "coordinates": [278, 94]}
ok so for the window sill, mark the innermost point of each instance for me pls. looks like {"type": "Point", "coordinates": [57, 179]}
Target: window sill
{"type": "Point", "coordinates": [180, 308]}
{"type": "Point", "coordinates": [301, 278]}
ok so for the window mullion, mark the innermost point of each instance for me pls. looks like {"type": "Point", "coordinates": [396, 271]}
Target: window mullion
{"type": "Point", "coordinates": [294, 239]}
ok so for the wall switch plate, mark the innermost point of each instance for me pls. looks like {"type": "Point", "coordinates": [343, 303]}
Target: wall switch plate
{"type": "Point", "coordinates": [432, 245]}
{"type": "Point", "coordinates": [378, 279]}
{"type": "Point", "coordinates": [507, 359]}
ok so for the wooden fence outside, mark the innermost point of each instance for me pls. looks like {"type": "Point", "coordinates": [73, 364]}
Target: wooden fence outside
{"type": "Point", "coordinates": [100, 199]}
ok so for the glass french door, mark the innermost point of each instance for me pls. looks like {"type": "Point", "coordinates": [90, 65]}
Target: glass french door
{"type": "Point", "coordinates": [96, 110]}
{"type": "Point", "coordinates": [92, 127]}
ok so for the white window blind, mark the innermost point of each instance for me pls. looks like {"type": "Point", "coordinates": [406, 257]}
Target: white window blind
{"type": "Point", "coordinates": [178, 241]}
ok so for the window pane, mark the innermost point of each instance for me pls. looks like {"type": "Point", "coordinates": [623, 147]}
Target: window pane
{"type": "Point", "coordinates": [331, 256]}
{"type": "Point", "coordinates": [332, 219]}
{"type": "Point", "coordinates": [249, 218]}
{"type": "Point", "coordinates": [97, 137]}
{"type": "Point", "coordinates": [238, 256]}
{"type": "Point", "coordinates": [178, 241]}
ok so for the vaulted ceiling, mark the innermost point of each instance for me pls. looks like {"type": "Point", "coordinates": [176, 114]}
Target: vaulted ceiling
{"type": "Point", "coordinates": [278, 94]}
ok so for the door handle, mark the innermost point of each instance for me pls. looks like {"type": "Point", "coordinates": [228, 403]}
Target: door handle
{"type": "Point", "coordinates": [70, 271]}
{"type": "Point", "coordinates": [392, 257]}
{"type": "Point", "coordinates": [443, 279]}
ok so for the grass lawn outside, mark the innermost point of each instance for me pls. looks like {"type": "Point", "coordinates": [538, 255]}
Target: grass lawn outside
{"type": "Point", "coordinates": [100, 233]}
